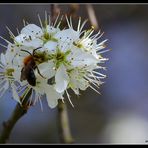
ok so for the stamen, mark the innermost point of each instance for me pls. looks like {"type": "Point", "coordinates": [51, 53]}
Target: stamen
{"type": "Point", "coordinates": [71, 22]}
{"type": "Point", "coordinates": [79, 23]}
{"type": "Point", "coordinates": [94, 36]}
{"type": "Point", "coordinates": [67, 21]}
{"type": "Point", "coordinates": [41, 24]}
{"type": "Point", "coordinates": [3, 45]}
{"type": "Point", "coordinates": [82, 25]}
{"type": "Point", "coordinates": [25, 93]}
{"type": "Point", "coordinates": [2, 82]}
{"type": "Point", "coordinates": [69, 98]}
{"type": "Point", "coordinates": [104, 51]}
{"type": "Point", "coordinates": [60, 22]}
{"type": "Point", "coordinates": [94, 82]}
{"type": "Point", "coordinates": [56, 19]}
{"type": "Point", "coordinates": [21, 88]}
{"type": "Point", "coordinates": [40, 103]}
{"type": "Point", "coordinates": [46, 22]}
{"type": "Point", "coordinates": [17, 31]}
{"type": "Point", "coordinates": [95, 90]}
{"type": "Point", "coordinates": [24, 23]}
{"type": "Point", "coordinates": [2, 92]}
{"type": "Point", "coordinates": [1, 66]}
{"type": "Point", "coordinates": [35, 98]}
{"type": "Point", "coordinates": [99, 36]}
{"type": "Point", "coordinates": [10, 32]}
{"type": "Point", "coordinates": [102, 42]}
{"type": "Point", "coordinates": [49, 20]}
{"type": "Point", "coordinates": [5, 40]}
{"type": "Point", "coordinates": [30, 99]}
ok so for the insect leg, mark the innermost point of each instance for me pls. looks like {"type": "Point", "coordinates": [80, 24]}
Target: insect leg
{"type": "Point", "coordinates": [40, 73]}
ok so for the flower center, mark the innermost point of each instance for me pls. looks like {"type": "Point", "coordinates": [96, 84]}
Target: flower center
{"type": "Point", "coordinates": [9, 71]}
{"type": "Point", "coordinates": [60, 57]}
{"type": "Point", "coordinates": [79, 45]}
{"type": "Point", "coordinates": [48, 37]}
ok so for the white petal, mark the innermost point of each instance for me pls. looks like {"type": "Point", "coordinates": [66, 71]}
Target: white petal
{"type": "Point", "coordinates": [83, 84]}
{"type": "Point", "coordinates": [3, 59]}
{"type": "Point", "coordinates": [47, 69]}
{"type": "Point", "coordinates": [61, 79]}
{"type": "Point", "coordinates": [51, 46]}
{"type": "Point", "coordinates": [94, 53]}
{"type": "Point", "coordinates": [21, 38]}
{"type": "Point", "coordinates": [6, 85]}
{"type": "Point", "coordinates": [77, 81]}
{"type": "Point", "coordinates": [51, 29]}
{"type": "Point", "coordinates": [32, 30]}
{"type": "Point", "coordinates": [9, 57]}
{"type": "Point", "coordinates": [67, 35]}
{"type": "Point", "coordinates": [41, 84]}
{"type": "Point", "coordinates": [73, 85]}
{"type": "Point", "coordinates": [81, 58]}
{"type": "Point", "coordinates": [35, 43]}
{"type": "Point", "coordinates": [17, 74]}
{"type": "Point", "coordinates": [52, 96]}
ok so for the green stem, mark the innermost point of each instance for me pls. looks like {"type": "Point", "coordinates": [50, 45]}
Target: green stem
{"type": "Point", "coordinates": [19, 112]}
{"type": "Point", "coordinates": [64, 128]}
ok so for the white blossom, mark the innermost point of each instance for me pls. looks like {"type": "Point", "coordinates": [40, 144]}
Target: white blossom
{"type": "Point", "coordinates": [47, 61]}
{"type": "Point", "coordinates": [6, 76]}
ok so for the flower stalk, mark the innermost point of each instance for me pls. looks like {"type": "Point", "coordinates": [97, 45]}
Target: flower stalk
{"type": "Point", "coordinates": [63, 121]}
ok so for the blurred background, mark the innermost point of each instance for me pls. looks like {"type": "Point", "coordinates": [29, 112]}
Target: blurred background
{"type": "Point", "coordinates": [120, 113]}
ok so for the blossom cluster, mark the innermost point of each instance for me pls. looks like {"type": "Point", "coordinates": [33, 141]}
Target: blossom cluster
{"type": "Point", "coordinates": [47, 61]}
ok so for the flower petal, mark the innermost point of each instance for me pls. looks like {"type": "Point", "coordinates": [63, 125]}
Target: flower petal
{"type": "Point", "coordinates": [81, 58]}
{"type": "Point", "coordinates": [51, 29]}
{"type": "Point", "coordinates": [35, 43]}
{"type": "Point", "coordinates": [51, 46]}
{"type": "Point", "coordinates": [47, 69]}
{"type": "Point", "coordinates": [6, 85]}
{"type": "Point", "coordinates": [21, 38]}
{"type": "Point", "coordinates": [61, 79]}
{"type": "Point", "coordinates": [52, 96]}
{"type": "Point", "coordinates": [67, 35]}
{"type": "Point", "coordinates": [32, 30]}
{"type": "Point", "coordinates": [3, 59]}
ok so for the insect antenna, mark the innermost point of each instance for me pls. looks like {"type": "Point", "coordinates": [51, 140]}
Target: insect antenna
{"type": "Point", "coordinates": [36, 49]}
{"type": "Point", "coordinates": [33, 51]}
{"type": "Point", "coordinates": [26, 51]}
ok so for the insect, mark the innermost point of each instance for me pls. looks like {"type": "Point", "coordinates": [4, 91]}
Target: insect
{"type": "Point", "coordinates": [27, 72]}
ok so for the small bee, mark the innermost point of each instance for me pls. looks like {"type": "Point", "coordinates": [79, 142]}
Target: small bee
{"type": "Point", "coordinates": [27, 72]}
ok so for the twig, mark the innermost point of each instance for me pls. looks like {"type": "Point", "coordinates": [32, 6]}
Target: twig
{"type": "Point", "coordinates": [64, 128]}
{"type": "Point", "coordinates": [73, 9]}
{"type": "Point", "coordinates": [92, 16]}
{"type": "Point", "coordinates": [55, 10]}
{"type": "Point", "coordinates": [18, 113]}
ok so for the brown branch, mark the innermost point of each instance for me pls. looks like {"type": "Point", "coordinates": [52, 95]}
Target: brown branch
{"type": "Point", "coordinates": [64, 128]}
{"type": "Point", "coordinates": [92, 16]}
{"type": "Point", "coordinates": [19, 112]}
{"type": "Point", "coordinates": [55, 10]}
{"type": "Point", "coordinates": [73, 10]}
